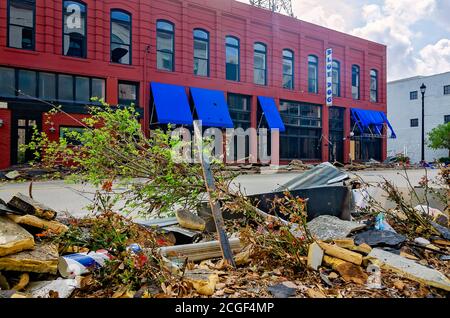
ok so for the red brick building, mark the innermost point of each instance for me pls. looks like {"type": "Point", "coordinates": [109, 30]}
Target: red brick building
{"type": "Point", "coordinates": [64, 52]}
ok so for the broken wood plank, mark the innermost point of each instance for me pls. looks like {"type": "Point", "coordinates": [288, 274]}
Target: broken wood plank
{"type": "Point", "coordinates": [410, 269]}
{"type": "Point", "coordinates": [199, 251]}
{"type": "Point", "coordinates": [204, 281]}
{"type": "Point", "coordinates": [349, 244]}
{"type": "Point", "coordinates": [13, 238]}
{"type": "Point", "coordinates": [23, 282]}
{"type": "Point", "coordinates": [190, 221]}
{"type": "Point", "coordinates": [29, 206]}
{"type": "Point", "coordinates": [215, 206]}
{"type": "Point", "coordinates": [341, 253]}
{"type": "Point", "coordinates": [43, 259]}
{"type": "Point", "coordinates": [34, 221]}
{"type": "Point", "coordinates": [349, 272]}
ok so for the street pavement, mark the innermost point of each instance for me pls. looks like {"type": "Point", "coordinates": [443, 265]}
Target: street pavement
{"type": "Point", "coordinates": [73, 198]}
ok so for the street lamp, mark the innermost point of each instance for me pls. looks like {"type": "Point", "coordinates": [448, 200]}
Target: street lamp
{"type": "Point", "coordinates": [423, 88]}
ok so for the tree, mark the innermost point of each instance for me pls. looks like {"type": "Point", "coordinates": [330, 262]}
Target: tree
{"type": "Point", "coordinates": [439, 137]}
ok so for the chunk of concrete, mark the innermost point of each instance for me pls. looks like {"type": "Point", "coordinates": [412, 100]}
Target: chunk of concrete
{"type": "Point", "coordinates": [444, 231]}
{"type": "Point", "coordinates": [60, 288]}
{"type": "Point", "coordinates": [13, 238]}
{"type": "Point", "coordinates": [282, 291]}
{"type": "Point", "coordinates": [34, 221]}
{"type": "Point", "coordinates": [315, 256]}
{"type": "Point", "coordinates": [204, 281]}
{"type": "Point", "coordinates": [190, 221]}
{"type": "Point", "coordinates": [43, 259]}
{"type": "Point", "coordinates": [380, 238]}
{"type": "Point", "coordinates": [422, 241]}
{"type": "Point", "coordinates": [29, 206]}
{"type": "Point", "coordinates": [410, 269]}
{"type": "Point", "coordinates": [327, 227]}
{"type": "Point", "coordinates": [12, 175]}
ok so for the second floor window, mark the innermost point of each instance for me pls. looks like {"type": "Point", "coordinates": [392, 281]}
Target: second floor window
{"type": "Point", "coordinates": [356, 82]}
{"type": "Point", "coordinates": [120, 37]}
{"type": "Point", "coordinates": [373, 86]}
{"type": "Point", "coordinates": [201, 52]}
{"type": "Point", "coordinates": [288, 69]}
{"type": "Point", "coordinates": [21, 24]}
{"type": "Point", "coordinates": [413, 95]}
{"type": "Point", "coordinates": [232, 59]}
{"type": "Point", "coordinates": [313, 74]}
{"type": "Point", "coordinates": [165, 46]}
{"type": "Point", "coordinates": [260, 64]}
{"type": "Point", "coordinates": [414, 122]}
{"type": "Point", "coordinates": [74, 36]}
{"type": "Point", "coordinates": [336, 78]}
{"type": "Point", "coordinates": [447, 90]}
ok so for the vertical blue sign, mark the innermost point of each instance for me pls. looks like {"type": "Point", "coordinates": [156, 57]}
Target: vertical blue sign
{"type": "Point", "coordinates": [329, 76]}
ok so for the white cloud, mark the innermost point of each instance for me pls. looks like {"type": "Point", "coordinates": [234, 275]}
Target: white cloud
{"type": "Point", "coordinates": [434, 58]}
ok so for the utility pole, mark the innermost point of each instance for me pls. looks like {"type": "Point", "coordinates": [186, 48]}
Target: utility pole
{"type": "Point", "coordinates": [280, 6]}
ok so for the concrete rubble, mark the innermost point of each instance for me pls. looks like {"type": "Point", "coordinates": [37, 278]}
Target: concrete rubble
{"type": "Point", "coordinates": [326, 227]}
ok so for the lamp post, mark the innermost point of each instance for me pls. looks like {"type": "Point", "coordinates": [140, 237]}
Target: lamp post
{"type": "Point", "coordinates": [423, 88]}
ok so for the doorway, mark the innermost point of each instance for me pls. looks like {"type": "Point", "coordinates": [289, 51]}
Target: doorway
{"type": "Point", "coordinates": [22, 129]}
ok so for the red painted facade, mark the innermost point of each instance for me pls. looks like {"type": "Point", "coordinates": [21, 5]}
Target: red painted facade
{"type": "Point", "coordinates": [220, 18]}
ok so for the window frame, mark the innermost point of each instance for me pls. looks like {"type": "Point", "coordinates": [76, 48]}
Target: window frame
{"type": "Point", "coordinates": [414, 95]}
{"type": "Point", "coordinates": [446, 119]}
{"type": "Point", "coordinates": [8, 21]}
{"type": "Point", "coordinates": [130, 46]}
{"type": "Point", "coordinates": [85, 37]}
{"type": "Point", "coordinates": [377, 86]}
{"type": "Point", "coordinates": [446, 89]}
{"type": "Point", "coordinates": [316, 65]}
{"type": "Point", "coordinates": [414, 122]}
{"type": "Point", "coordinates": [172, 33]}
{"type": "Point", "coordinates": [255, 50]}
{"type": "Point", "coordinates": [208, 41]}
{"type": "Point", "coordinates": [238, 47]}
{"type": "Point", "coordinates": [356, 67]}
{"type": "Point", "coordinates": [137, 84]}
{"type": "Point", "coordinates": [292, 75]}
{"type": "Point", "coordinates": [338, 85]}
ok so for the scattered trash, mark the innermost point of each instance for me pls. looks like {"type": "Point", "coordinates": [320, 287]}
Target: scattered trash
{"type": "Point", "coordinates": [12, 175]}
{"type": "Point", "coordinates": [204, 281]}
{"type": "Point", "coordinates": [422, 241]}
{"type": "Point", "coordinates": [410, 269]}
{"type": "Point", "coordinates": [374, 280]}
{"type": "Point", "coordinates": [77, 264]}
{"type": "Point", "coordinates": [328, 228]}
{"type": "Point", "coordinates": [282, 291]}
{"type": "Point", "coordinates": [315, 256]}
{"type": "Point", "coordinates": [190, 221]}
{"type": "Point", "coordinates": [60, 288]}
{"type": "Point", "coordinates": [380, 238]}
{"type": "Point", "coordinates": [381, 224]}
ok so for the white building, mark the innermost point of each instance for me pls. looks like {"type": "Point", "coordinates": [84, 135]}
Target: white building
{"type": "Point", "coordinates": [404, 102]}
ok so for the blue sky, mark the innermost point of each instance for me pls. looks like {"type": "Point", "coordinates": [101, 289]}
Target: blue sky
{"type": "Point", "coordinates": [417, 32]}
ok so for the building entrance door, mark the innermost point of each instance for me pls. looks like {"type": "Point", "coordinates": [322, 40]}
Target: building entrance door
{"type": "Point", "coordinates": [23, 126]}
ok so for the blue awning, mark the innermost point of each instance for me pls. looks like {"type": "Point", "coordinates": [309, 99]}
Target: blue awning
{"type": "Point", "coordinates": [271, 112]}
{"type": "Point", "coordinates": [172, 104]}
{"type": "Point", "coordinates": [212, 108]}
{"type": "Point", "coordinates": [370, 119]}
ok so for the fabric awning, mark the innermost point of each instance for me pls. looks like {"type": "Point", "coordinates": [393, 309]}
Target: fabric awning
{"type": "Point", "coordinates": [211, 107]}
{"type": "Point", "coordinates": [271, 112]}
{"type": "Point", "coordinates": [373, 120]}
{"type": "Point", "coordinates": [172, 104]}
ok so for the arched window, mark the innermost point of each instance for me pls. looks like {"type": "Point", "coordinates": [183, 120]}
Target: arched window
{"type": "Point", "coordinates": [374, 86]}
{"type": "Point", "coordinates": [165, 45]}
{"type": "Point", "coordinates": [356, 82]}
{"type": "Point", "coordinates": [313, 74]}
{"type": "Point", "coordinates": [232, 58]}
{"type": "Point", "coordinates": [75, 29]}
{"type": "Point", "coordinates": [21, 24]}
{"type": "Point", "coordinates": [120, 37]}
{"type": "Point", "coordinates": [336, 78]}
{"type": "Point", "coordinates": [260, 64]}
{"type": "Point", "coordinates": [201, 52]}
{"type": "Point", "coordinates": [288, 69]}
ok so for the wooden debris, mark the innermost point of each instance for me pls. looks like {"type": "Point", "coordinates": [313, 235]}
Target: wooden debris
{"type": "Point", "coordinates": [203, 281]}
{"type": "Point", "coordinates": [43, 259]}
{"type": "Point", "coordinates": [341, 253]}
{"type": "Point", "coordinates": [349, 272]}
{"type": "Point", "coordinates": [190, 221]}
{"type": "Point", "coordinates": [23, 282]}
{"type": "Point", "coordinates": [199, 251]}
{"type": "Point", "coordinates": [315, 293]}
{"type": "Point", "coordinates": [243, 257]}
{"type": "Point", "coordinates": [349, 244]}
{"type": "Point", "coordinates": [34, 221]}
{"type": "Point", "coordinates": [29, 206]}
{"type": "Point", "coordinates": [315, 256]}
{"type": "Point", "coordinates": [13, 238]}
